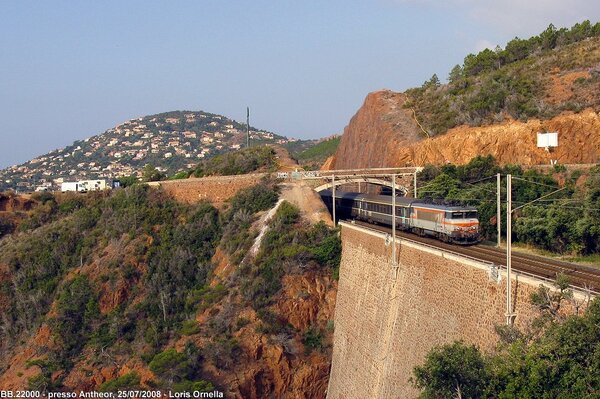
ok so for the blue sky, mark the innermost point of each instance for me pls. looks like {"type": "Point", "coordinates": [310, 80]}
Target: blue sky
{"type": "Point", "coordinates": [69, 70]}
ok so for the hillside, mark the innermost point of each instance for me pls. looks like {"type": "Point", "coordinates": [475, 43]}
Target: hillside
{"type": "Point", "coordinates": [314, 156]}
{"type": "Point", "coordinates": [171, 141]}
{"type": "Point", "coordinates": [130, 289]}
{"type": "Point", "coordinates": [494, 104]}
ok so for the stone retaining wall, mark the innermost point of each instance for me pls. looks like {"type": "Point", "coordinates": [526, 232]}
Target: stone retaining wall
{"type": "Point", "coordinates": [215, 189]}
{"type": "Point", "coordinates": [384, 326]}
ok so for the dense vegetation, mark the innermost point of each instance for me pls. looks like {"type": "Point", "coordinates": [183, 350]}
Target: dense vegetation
{"type": "Point", "coordinates": [156, 254]}
{"type": "Point", "coordinates": [492, 85]}
{"type": "Point", "coordinates": [72, 235]}
{"type": "Point", "coordinates": [288, 247]}
{"type": "Point", "coordinates": [247, 160]}
{"type": "Point", "coordinates": [238, 162]}
{"type": "Point", "coordinates": [313, 157]}
{"type": "Point", "coordinates": [559, 357]}
{"type": "Point", "coordinates": [568, 221]}
{"type": "Point", "coordinates": [295, 147]}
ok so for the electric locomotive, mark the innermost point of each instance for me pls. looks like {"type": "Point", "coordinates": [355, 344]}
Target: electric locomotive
{"type": "Point", "coordinates": [456, 224]}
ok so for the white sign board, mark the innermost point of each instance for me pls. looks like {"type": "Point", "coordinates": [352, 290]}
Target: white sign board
{"type": "Point", "coordinates": [545, 140]}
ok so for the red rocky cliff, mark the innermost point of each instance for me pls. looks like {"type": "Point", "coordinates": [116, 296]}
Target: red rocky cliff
{"type": "Point", "coordinates": [384, 134]}
{"type": "Point", "coordinates": [379, 127]}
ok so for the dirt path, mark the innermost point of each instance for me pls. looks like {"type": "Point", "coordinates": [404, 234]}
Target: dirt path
{"type": "Point", "coordinates": [308, 201]}
{"type": "Point", "coordinates": [286, 163]}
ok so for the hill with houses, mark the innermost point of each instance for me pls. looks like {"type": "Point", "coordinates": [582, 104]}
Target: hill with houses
{"type": "Point", "coordinates": [171, 141]}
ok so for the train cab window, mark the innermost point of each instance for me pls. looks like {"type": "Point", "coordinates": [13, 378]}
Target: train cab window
{"type": "Point", "coordinates": [458, 215]}
{"type": "Point", "coordinates": [471, 215]}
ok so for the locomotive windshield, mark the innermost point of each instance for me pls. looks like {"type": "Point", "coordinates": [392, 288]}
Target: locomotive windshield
{"type": "Point", "coordinates": [464, 215]}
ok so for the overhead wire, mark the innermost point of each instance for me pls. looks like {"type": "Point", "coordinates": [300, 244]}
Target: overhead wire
{"type": "Point", "coordinates": [534, 182]}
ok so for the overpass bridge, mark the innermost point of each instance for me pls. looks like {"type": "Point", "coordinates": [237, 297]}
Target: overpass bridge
{"type": "Point", "coordinates": [402, 180]}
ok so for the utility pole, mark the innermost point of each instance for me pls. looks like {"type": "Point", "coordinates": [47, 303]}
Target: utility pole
{"type": "Point", "coordinates": [394, 223]}
{"type": "Point", "coordinates": [509, 211]}
{"type": "Point", "coordinates": [247, 127]}
{"type": "Point", "coordinates": [333, 197]}
{"type": "Point", "coordinates": [509, 312]}
{"type": "Point", "coordinates": [498, 210]}
{"type": "Point", "coordinates": [415, 183]}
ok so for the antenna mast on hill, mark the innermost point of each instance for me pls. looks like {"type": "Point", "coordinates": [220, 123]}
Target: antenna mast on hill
{"type": "Point", "coordinates": [247, 127]}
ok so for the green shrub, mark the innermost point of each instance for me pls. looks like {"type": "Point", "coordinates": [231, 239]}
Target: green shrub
{"type": "Point", "coordinates": [203, 298]}
{"type": "Point", "coordinates": [312, 339]}
{"type": "Point", "coordinates": [238, 162]}
{"type": "Point", "coordinates": [253, 199]}
{"type": "Point", "coordinates": [241, 322]}
{"type": "Point", "coordinates": [270, 323]}
{"type": "Point", "coordinates": [557, 361]}
{"type": "Point", "coordinates": [450, 369]}
{"type": "Point", "coordinates": [194, 386]}
{"type": "Point", "coordinates": [76, 308]}
{"type": "Point", "coordinates": [170, 366]}
{"type": "Point", "coordinates": [126, 381]}
{"type": "Point", "coordinates": [189, 327]}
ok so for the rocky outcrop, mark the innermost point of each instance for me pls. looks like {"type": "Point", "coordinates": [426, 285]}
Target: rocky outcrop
{"type": "Point", "coordinates": [15, 203]}
{"type": "Point", "coordinates": [511, 142]}
{"type": "Point", "coordinates": [378, 129]}
{"type": "Point", "coordinates": [383, 134]}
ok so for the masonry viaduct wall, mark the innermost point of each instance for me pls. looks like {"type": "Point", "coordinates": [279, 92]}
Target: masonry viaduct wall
{"type": "Point", "coordinates": [384, 326]}
{"type": "Point", "coordinates": [215, 189]}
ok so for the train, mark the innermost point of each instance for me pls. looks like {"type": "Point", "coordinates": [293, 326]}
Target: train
{"type": "Point", "coordinates": [448, 223]}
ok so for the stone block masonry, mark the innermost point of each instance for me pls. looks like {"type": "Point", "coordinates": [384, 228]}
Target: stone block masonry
{"type": "Point", "coordinates": [384, 326]}
{"type": "Point", "coordinates": [215, 189]}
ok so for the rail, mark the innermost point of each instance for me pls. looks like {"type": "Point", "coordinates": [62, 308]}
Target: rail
{"type": "Point", "coordinates": [426, 245]}
{"type": "Point", "coordinates": [500, 267]}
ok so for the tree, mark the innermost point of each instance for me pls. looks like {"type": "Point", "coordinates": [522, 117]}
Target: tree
{"type": "Point", "coordinates": [478, 168]}
{"type": "Point", "coordinates": [433, 82]}
{"type": "Point", "coordinates": [548, 37]}
{"type": "Point", "coordinates": [75, 309]}
{"type": "Point", "coordinates": [550, 302]}
{"type": "Point", "coordinates": [558, 360]}
{"type": "Point", "coordinates": [452, 371]}
{"type": "Point", "coordinates": [127, 181]}
{"type": "Point", "coordinates": [455, 74]}
{"type": "Point", "coordinates": [169, 365]}
{"type": "Point", "coordinates": [150, 173]}
{"type": "Point", "coordinates": [440, 187]}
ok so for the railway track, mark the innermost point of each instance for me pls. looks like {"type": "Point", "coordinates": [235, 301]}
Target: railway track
{"type": "Point", "coordinates": [582, 277]}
